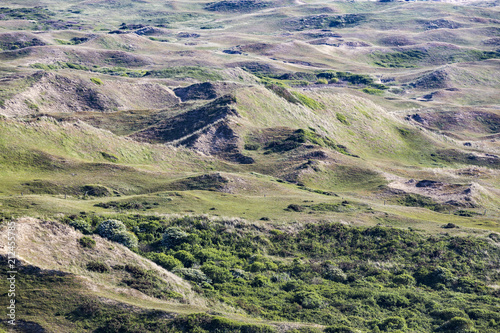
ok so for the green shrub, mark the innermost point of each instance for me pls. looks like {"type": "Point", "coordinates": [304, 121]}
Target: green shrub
{"type": "Point", "coordinates": [257, 267]}
{"type": "Point", "coordinates": [192, 274]}
{"type": "Point", "coordinates": [448, 314]}
{"type": "Point", "coordinates": [308, 101]}
{"type": "Point", "coordinates": [441, 276]}
{"type": "Point", "coordinates": [482, 314]}
{"type": "Point", "coordinates": [339, 329]}
{"type": "Point", "coordinates": [126, 238]}
{"type": "Point", "coordinates": [165, 261]}
{"type": "Point", "coordinates": [392, 300]}
{"type": "Point", "coordinates": [185, 257]}
{"type": "Point", "coordinates": [335, 274]}
{"type": "Point", "coordinates": [280, 277]}
{"type": "Point", "coordinates": [322, 81]}
{"type": "Point", "coordinates": [81, 225]}
{"type": "Point", "coordinates": [116, 231]}
{"type": "Point", "coordinates": [109, 228]}
{"type": "Point", "coordinates": [404, 280]}
{"type": "Point", "coordinates": [457, 325]}
{"type": "Point", "coordinates": [217, 274]}
{"type": "Point", "coordinates": [343, 119]}
{"type": "Point", "coordinates": [260, 281]}
{"type": "Point", "coordinates": [252, 146]}
{"type": "Point", "coordinates": [173, 237]}
{"type": "Point", "coordinates": [373, 91]}
{"type": "Point", "coordinates": [495, 237]}
{"type": "Point", "coordinates": [295, 208]}
{"type": "Point", "coordinates": [97, 266]}
{"type": "Point", "coordinates": [393, 323]}
{"type": "Point", "coordinates": [87, 242]}
{"type": "Point", "coordinates": [308, 299]}
{"type": "Point", "coordinates": [96, 80]}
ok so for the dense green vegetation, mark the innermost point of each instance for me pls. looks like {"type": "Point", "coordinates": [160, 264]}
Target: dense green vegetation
{"type": "Point", "coordinates": [199, 73]}
{"type": "Point", "coordinates": [407, 58]}
{"type": "Point", "coordinates": [33, 13]}
{"type": "Point", "coordinates": [415, 58]}
{"type": "Point", "coordinates": [371, 279]}
{"type": "Point", "coordinates": [319, 77]}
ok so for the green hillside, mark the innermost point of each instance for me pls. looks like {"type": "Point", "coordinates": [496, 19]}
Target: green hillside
{"type": "Point", "coordinates": [251, 165]}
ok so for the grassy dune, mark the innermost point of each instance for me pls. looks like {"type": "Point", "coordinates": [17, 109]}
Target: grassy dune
{"type": "Point", "coordinates": [340, 158]}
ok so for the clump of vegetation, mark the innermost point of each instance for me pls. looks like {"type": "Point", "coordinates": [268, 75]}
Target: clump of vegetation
{"type": "Point", "coordinates": [116, 231]}
{"type": "Point", "coordinates": [174, 236]}
{"type": "Point", "coordinates": [32, 13]}
{"type": "Point", "coordinates": [457, 324]}
{"type": "Point", "coordinates": [82, 225]}
{"type": "Point", "coordinates": [94, 190]}
{"type": "Point", "coordinates": [148, 282]}
{"type": "Point", "coordinates": [373, 91]}
{"type": "Point", "coordinates": [417, 200]}
{"type": "Point", "coordinates": [193, 274]}
{"type": "Point", "coordinates": [307, 101]}
{"type": "Point", "coordinates": [97, 266]}
{"type": "Point", "coordinates": [165, 261]}
{"type": "Point", "coordinates": [87, 242]}
{"type": "Point", "coordinates": [96, 80]}
{"type": "Point", "coordinates": [342, 119]}
{"type": "Point", "coordinates": [72, 41]}
{"type": "Point", "coordinates": [127, 205]}
{"type": "Point", "coordinates": [294, 97]}
{"type": "Point", "coordinates": [279, 83]}
{"type": "Point", "coordinates": [465, 212]}
{"type": "Point", "coordinates": [109, 157]}
{"type": "Point", "coordinates": [117, 71]}
{"type": "Point", "coordinates": [31, 105]}
{"type": "Point", "coordinates": [406, 58]}
{"type": "Point", "coordinates": [16, 44]}
{"type": "Point", "coordinates": [252, 146]}
{"type": "Point", "coordinates": [199, 73]}
{"type": "Point", "coordinates": [344, 206]}
{"type": "Point", "coordinates": [295, 208]}
{"type": "Point", "coordinates": [301, 136]}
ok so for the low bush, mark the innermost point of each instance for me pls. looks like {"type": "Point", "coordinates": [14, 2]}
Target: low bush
{"type": "Point", "coordinates": [457, 325]}
{"type": "Point", "coordinates": [87, 242]}
{"type": "Point", "coordinates": [165, 261]}
{"type": "Point", "coordinates": [174, 236]}
{"type": "Point", "coordinates": [393, 323]}
{"type": "Point", "coordinates": [81, 225]}
{"type": "Point", "coordinates": [97, 266]}
{"type": "Point", "coordinates": [116, 231]}
{"type": "Point", "coordinates": [192, 274]}
{"type": "Point", "coordinates": [96, 80]}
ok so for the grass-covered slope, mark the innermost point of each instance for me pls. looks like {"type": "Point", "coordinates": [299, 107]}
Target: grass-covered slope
{"type": "Point", "coordinates": [292, 166]}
